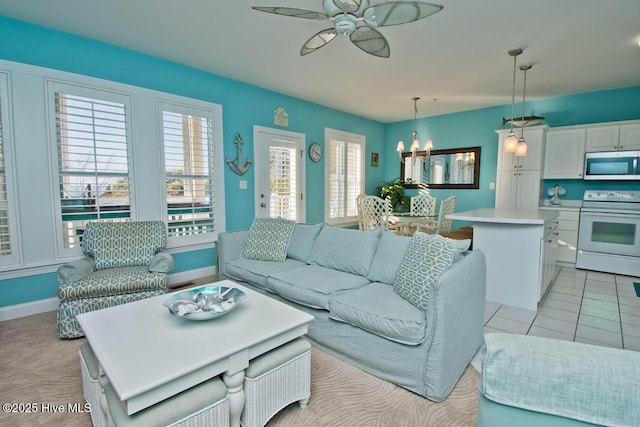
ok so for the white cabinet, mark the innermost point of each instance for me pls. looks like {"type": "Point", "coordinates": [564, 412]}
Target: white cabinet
{"type": "Point", "coordinates": [630, 137]}
{"type": "Point", "coordinates": [518, 180]}
{"type": "Point", "coordinates": [566, 235]}
{"type": "Point", "coordinates": [564, 153]}
{"type": "Point", "coordinates": [548, 245]}
{"type": "Point", "coordinates": [613, 138]}
{"type": "Point", "coordinates": [518, 189]}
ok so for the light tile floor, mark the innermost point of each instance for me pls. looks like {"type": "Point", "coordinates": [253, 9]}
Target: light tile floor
{"type": "Point", "coordinates": [582, 306]}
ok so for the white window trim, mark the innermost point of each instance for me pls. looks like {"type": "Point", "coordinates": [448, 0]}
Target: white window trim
{"type": "Point", "coordinates": [333, 134]}
{"type": "Point", "coordinates": [36, 236]}
{"type": "Point", "coordinates": [15, 258]}
{"type": "Point", "coordinates": [215, 115]}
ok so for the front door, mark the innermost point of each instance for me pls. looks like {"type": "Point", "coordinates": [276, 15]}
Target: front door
{"type": "Point", "coordinates": [279, 174]}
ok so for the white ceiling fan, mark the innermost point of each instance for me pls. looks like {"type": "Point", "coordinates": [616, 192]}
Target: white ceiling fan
{"type": "Point", "coordinates": [357, 19]}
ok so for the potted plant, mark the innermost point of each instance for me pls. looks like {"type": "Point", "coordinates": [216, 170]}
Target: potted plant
{"type": "Point", "coordinates": [394, 192]}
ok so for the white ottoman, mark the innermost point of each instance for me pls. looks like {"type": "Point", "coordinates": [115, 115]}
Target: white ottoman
{"type": "Point", "coordinates": [276, 379]}
{"type": "Point", "coordinates": [91, 388]}
{"type": "Point", "coordinates": [206, 404]}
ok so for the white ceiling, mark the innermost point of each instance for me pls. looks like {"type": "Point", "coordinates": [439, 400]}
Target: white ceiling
{"type": "Point", "coordinates": [457, 56]}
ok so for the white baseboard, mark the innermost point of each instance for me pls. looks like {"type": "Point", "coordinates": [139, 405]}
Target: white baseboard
{"type": "Point", "coordinates": [51, 304]}
{"type": "Point", "coordinates": [28, 308]}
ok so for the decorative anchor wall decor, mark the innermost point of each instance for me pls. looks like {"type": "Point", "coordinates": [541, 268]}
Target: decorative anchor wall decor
{"type": "Point", "coordinates": [238, 167]}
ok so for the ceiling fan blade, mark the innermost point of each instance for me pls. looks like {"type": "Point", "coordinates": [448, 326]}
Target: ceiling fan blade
{"type": "Point", "coordinates": [396, 13]}
{"type": "Point", "coordinates": [371, 41]}
{"type": "Point", "coordinates": [290, 11]}
{"type": "Point", "coordinates": [318, 40]}
{"type": "Point", "coordinates": [349, 6]}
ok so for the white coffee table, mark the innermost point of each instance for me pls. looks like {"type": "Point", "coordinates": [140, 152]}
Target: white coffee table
{"type": "Point", "coordinates": [149, 355]}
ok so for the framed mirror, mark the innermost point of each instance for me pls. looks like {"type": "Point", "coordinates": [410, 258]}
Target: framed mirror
{"type": "Point", "coordinates": [452, 168]}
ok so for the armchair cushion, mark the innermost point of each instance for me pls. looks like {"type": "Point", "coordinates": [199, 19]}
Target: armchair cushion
{"type": "Point", "coordinates": [123, 244]}
{"type": "Point", "coordinates": [75, 270]}
{"type": "Point", "coordinates": [113, 281]}
{"type": "Point", "coordinates": [162, 262]}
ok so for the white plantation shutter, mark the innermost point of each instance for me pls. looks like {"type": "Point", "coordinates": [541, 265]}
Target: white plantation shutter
{"type": "Point", "coordinates": [5, 233]}
{"type": "Point", "coordinates": [344, 177]}
{"type": "Point", "coordinates": [92, 136]}
{"type": "Point", "coordinates": [283, 183]}
{"type": "Point", "coordinates": [188, 159]}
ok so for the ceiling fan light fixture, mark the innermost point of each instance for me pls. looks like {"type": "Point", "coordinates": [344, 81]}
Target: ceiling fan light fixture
{"type": "Point", "coordinates": [358, 20]}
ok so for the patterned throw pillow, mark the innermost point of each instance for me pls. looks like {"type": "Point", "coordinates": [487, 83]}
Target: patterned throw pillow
{"type": "Point", "coordinates": [426, 259]}
{"type": "Point", "coordinates": [268, 239]}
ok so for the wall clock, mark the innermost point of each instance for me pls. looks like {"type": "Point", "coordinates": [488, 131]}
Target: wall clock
{"type": "Point", "coordinates": [315, 152]}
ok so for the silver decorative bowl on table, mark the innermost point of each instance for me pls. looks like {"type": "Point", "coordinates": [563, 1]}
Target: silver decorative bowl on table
{"type": "Point", "coordinates": [207, 302]}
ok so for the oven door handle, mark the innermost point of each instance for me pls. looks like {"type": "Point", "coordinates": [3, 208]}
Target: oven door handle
{"type": "Point", "coordinates": [610, 214]}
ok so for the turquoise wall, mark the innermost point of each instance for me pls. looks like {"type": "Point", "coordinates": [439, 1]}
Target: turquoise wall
{"type": "Point", "coordinates": [477, 128]}
{"type": "Point", "coordinates": [245, 106]}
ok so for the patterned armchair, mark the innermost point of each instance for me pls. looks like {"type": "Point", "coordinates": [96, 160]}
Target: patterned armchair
{"type": "Point", "coordinates": [123, 262]}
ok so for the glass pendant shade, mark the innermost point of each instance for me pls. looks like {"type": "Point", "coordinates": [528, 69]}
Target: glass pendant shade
{"type": "Point", "coordinates": [400, 149]}
{"type": "Point", "coordinates": [521, 148]}
{"type": "Point", "coordinates": [428, 146]}
{"type": "Point", "coordinates": [511, 143]}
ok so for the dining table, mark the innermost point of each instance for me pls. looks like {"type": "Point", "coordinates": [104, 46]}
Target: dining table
{"type": "Point", "coordinates": [405, 222]}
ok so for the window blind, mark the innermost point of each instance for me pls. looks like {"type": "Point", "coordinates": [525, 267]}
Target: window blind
{"type": "Point", "coordinates": [93, 163]}
{"type": "Point", "coordinates": [345, 178]}
{"type": "Point", "coordinates": [5, 236]}
{"type": "Point", "coordinates": [189, 185]}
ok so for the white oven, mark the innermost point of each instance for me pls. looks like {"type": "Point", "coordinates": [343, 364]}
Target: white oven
{"type": "Point", "coordinates": [609, 232]}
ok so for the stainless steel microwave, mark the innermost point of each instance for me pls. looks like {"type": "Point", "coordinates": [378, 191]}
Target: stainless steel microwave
{"type": "Point", "coordinates": [612, 165]}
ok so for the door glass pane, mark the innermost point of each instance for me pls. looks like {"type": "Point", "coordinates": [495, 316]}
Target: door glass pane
{"type": "Point", "coordinates": [282, 183]}
{"type": "Point", "coordinates": [613, 232]}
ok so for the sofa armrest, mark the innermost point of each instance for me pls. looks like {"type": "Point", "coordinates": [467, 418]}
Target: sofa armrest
{"type": "Point", "coordinates": [455, 318]}
{"type": "Point", "coordinates": [75, 270]}
{"type": "Point", "coordinates": [162, 262]}
{"type": "Point", "coordinates": [229, 247]}
{"type": "Point", "coordinates": [589, 383]}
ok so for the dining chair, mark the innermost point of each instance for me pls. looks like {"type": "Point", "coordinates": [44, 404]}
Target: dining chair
{"type": "Point", "coordinates": [359, 209]}
{"type": "Point", "coordinates": [442, 223]}
{"type": "Point", "coordinates": [423, 204]}
{"type": "Point", "coordinates": [375, 212]}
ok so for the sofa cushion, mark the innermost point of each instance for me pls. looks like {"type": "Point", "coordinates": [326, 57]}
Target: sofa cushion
{"type": "Point", "coordinates": [378, 309]}
{"type": "Point", "coordinates": [312, 285]}
{"type": "Point", "coordinates": [426, 259]}
{"type": "Point", "coordinates": [302, 240]}
{"type": "Point", "coordinates": [345, 249]}
{"type": "Point", "coordinates": [256, 271]}
{"type": "Point", "coordinates": [389, 255]}
{"type": "Point", "coordinates": [268, 239]}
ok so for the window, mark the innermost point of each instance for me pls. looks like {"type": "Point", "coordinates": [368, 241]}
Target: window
{"type": "Point", "coordinates": [344, 176]}
{"type": "Point", "coordinates": [92, 134]}
{"type": "Point", "coordinates": [8, 245]}
{"type": "Point", "coordinates": [189, 170]}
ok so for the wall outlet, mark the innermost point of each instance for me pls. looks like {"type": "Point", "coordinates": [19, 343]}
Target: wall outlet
{"type": "Point", "coordinates": [492, 186]}
{"type": "Point", "coordinates": [243, 184]}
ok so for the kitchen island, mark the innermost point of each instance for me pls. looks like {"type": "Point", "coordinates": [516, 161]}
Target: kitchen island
{"type": "Point", "coordinates": [519, 246]}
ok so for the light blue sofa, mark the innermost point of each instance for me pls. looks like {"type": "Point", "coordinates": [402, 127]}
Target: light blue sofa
{"type": "Point", "coordinates": [344, 278]}
{"type": "Point", "coordinates": [533, 381]}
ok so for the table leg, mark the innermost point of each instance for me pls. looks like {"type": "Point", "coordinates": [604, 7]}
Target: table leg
{"type": "Point", "coordinates": [235, 384]}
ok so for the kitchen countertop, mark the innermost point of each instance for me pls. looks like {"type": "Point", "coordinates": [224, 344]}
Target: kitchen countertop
{"type": "Point", "coordinates": [503, 216]}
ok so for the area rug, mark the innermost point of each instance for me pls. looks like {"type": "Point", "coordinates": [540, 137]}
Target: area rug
{"type": "Point", "coordinates": [38, 368]}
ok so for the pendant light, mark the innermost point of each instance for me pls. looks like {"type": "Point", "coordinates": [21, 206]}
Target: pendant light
{"type": "Point", "coordinates": [511, 142]}
{"type": "Point", "coordinates": [415, 144]}
{"type": "Point", "coordinates": [521, 148]}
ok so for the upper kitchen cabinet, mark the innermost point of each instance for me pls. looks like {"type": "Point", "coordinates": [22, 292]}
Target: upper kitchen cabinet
{"type": "Point", "coordinates": [613, 138]}
{"type": "Point", "coordinates": [564, 153]}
